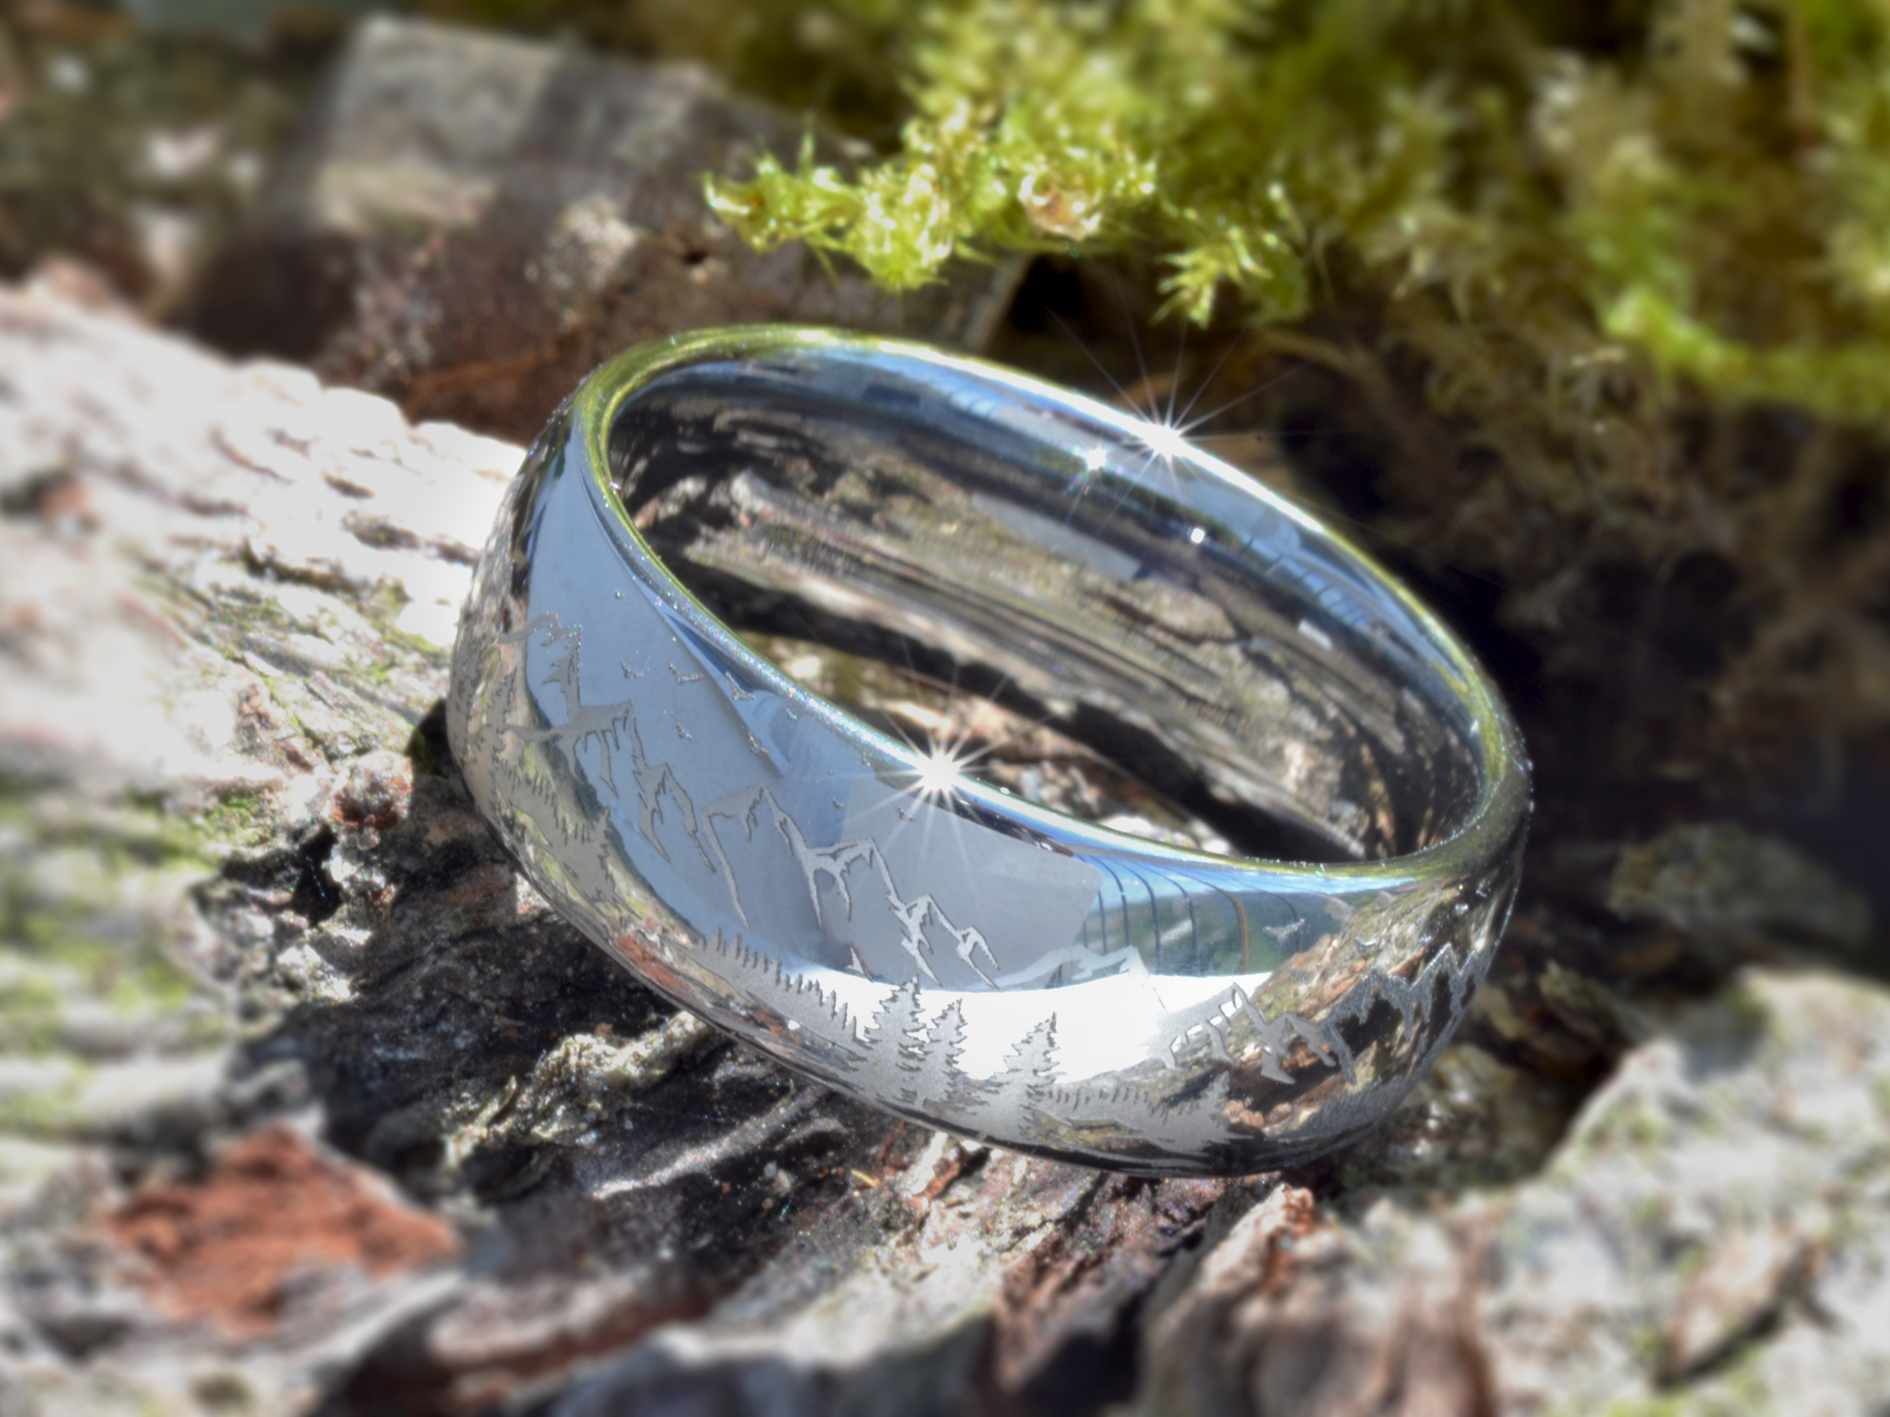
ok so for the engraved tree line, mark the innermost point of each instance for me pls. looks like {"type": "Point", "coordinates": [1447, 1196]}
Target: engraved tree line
{"type": "Point", "coordinates": [908, 1058]}
{"type": "Point", "coordinates": [912, 1058]}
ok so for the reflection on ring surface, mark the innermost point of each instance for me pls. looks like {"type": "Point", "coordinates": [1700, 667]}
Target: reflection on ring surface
{"type": "Point", "coordinates": [872, 911]}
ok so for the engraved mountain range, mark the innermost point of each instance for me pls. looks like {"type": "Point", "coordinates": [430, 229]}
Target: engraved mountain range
{"type": "Point", "coordinates": [610, 728]}
{"type": "Point", "coordinates": [913, 915]}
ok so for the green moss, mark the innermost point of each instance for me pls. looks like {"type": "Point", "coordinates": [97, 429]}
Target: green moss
{"type": "Point", "coordinates": [29, 1011]}
{"type": "Point", "coordinates": [142, 835]}
{"type": "Point", "coordinates": [1707, 184]}
{"type": "Point", "coordinates": [238, 817]}
{"type": "Point", "coordinates": [1650, 1211]}
{"type": "Point", "coordinates": [238, 615]}
{"type": "Point", "coordinates": [47, 1112]}
{"type": "Point", "coordinates": [1734, 1386]}
{"type": "Point", "coordinates": [60, 932]}
{"type": "Point", "coordinates": [1605, 242]}
{"type": "Point", "coordinates": [82, 921]}
{"type": "Point", "coordinates": [1880, 1094]}
{"type": "Point", "coordinates": [382, 606]}
{"type": "Point", "coordinates": [1667, 1405]}
{"type": "Point", "coordinates": [1634, 1125]}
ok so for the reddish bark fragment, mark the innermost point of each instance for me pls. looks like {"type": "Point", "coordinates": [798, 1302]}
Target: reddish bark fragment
{"type": "Point", "coordinates": [225, 1249]}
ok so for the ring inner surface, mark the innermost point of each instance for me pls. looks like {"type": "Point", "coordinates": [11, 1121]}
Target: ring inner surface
{"type": "Point", "coordinates": [1080, 569]}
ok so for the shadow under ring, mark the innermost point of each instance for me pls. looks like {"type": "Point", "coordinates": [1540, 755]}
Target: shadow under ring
{"type": "Point", "coordinates": [930, 943]}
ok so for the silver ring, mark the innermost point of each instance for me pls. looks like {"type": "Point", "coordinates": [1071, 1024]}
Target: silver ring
{"type": "Point", "coordinates": [882, 920]}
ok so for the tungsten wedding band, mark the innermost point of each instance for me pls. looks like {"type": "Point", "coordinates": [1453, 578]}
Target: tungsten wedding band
{"type": "Point", "coordinates": [870, 913]}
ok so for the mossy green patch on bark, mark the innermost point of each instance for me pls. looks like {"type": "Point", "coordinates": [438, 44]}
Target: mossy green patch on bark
{"type": "Point", "coordinates": [238, 816]}
{"type": "Point", "coordinates": [382, 606]}
{"type": "Point", "coordinates": [44, 1111]}
{"type": "Point", "coordinates": [91, 935]}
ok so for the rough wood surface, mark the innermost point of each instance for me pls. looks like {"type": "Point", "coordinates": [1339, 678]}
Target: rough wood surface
{"type": "Point", "coordinates": [308, 1102]}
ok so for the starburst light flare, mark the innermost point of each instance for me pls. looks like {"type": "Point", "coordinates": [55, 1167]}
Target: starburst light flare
{"type": "Point", "coordinates": [1165, 441]}
{"type": "Point", "coordinates": [939, 774]}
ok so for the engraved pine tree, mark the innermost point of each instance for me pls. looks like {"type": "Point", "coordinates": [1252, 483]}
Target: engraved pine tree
{"type": "Point", "coordinates": [1200, 1123]}
{"type": "Point", "coordinates": [894, 1058]}
{"type": "Point", "coordinates": [1028, 1076]}
{"type": "Point", "coordinates": [1189, 1124]}
{"type": "Point", "coordinates": [945, 1084]}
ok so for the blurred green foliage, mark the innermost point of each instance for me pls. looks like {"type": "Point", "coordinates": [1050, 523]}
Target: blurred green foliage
{"type": "Point", "coordinates": [1704, 181]}
{"type": "Point", "coordinates": [833, 62]}
{"type": "Point", "coordinates": [136, 152]}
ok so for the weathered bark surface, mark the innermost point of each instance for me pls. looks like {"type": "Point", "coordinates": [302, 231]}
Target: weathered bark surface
{"type": "Point", "coordinates": [307, 1101]}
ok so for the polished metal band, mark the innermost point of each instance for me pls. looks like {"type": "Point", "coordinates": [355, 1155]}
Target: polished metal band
{"type": "Point", "coordinates": [883, 922]}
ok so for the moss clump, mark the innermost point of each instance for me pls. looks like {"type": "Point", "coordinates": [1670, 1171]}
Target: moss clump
{"type": "Point", "coordinates": [1704, 182]}
{"type": "Point", "coordinates": [80, 936]}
